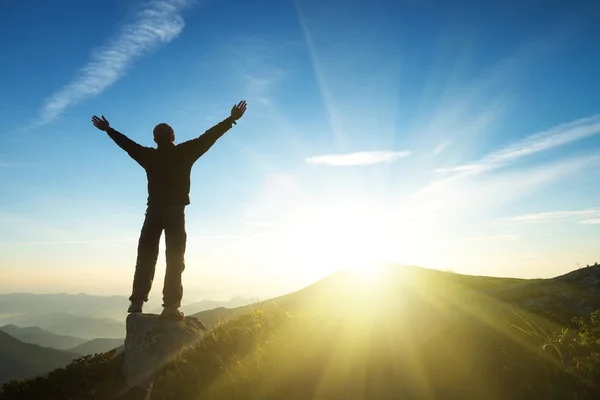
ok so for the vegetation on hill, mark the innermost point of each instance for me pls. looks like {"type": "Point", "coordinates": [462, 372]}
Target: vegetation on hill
{"type": "Point", "coordinates": [408, 334]}
{"type": "Point", "coordinates": [99, 345]}
{"type": "Point", "coordinates": [19, 360]}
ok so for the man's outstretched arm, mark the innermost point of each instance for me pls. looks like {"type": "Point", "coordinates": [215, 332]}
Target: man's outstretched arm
{"type": "Point", "coordinates": [197, 147]}
{"type": "Point", "coordinates": [132, 148]}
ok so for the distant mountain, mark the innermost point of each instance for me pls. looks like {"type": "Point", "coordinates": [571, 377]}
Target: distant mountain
{"type": "Point", "coordinates": [94, 346]}
{"type": "Point", "coordinates": [193, 308]}
{"type": "Point", "coordinates": [20, 360]}
{"type": "Point", "coordinates": [75, 345]}
{"type": "Point", "coordinates": [41, 337]}
{"type": "Point", "coordinates": [74, 325]}
{"type": "Point", "coordinates": [22, 309]}
{"type": "Point", "coordinates": [114, 307]}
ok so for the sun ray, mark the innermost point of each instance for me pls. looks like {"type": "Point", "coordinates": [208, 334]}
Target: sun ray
{"type": "Point", "coordinates": [326, 95]}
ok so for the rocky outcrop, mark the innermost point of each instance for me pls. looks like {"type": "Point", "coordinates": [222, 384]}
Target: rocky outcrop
{"type": "Point", "coordinates": [152, 341]}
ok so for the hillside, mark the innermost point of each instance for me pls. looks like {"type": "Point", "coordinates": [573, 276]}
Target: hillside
{"type": "Point", "coordinates": [406, 333]}
{"type": "Point", "coordinates": [204, 305]}
{"type": "Point", "coordinates": [22, 360]}
{"type": "Point", "coordinates": [99, 345]}
{"type": "Point", "coordinates": [42, 337]}
{"type": "Point", "coordinates": [576, 293]}
{"type": "Point", "coordinates": [333, 285]}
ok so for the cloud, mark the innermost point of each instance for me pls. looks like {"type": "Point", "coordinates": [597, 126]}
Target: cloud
{"type": "Point", "coordinates": [593, 221]}
{"type": "Point", "coordinates": [474, 183]}
{"type": "Point", "coordinates": [494, 238]}
{"type": "Point", "coordinates": [440, 147]}
{"type": "Point", "coordinates": [557, 216]}
{"type": "Point", "coordinates": [258, 86]}
{"type": "Point", "coordinates": [157, 22]}
{"type": "Point", "coordinates": [360, 158]}
{"type": "Point", "coordinates": [546, 140]}
{"type": "Point", "coordinates": [258, 64]}
{"type": "Point", "coordinates": [476, 192]}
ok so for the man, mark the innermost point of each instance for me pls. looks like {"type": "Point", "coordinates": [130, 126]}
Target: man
{"type": "Point", "coordinates": [168, 169]}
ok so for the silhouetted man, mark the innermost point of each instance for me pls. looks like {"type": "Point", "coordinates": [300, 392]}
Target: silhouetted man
{"type": "Point", "coordinates": [168, 169]}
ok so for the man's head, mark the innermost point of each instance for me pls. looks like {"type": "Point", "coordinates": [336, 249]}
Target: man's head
{"type": "Point", "coordinates": [164, 134]}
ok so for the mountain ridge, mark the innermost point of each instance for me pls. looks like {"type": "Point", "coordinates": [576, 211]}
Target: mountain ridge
{"type": "Point", "coordinates": [410, 333]}
{"type": "Point", "coordinates": [23, 360]}
{"type": "Point", "coordinates": [42, 337]}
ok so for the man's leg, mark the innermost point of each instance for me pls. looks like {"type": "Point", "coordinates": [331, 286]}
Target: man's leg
{"type": "Point", "coordinates": [147, 255]}
{"type": "Point", "coordinates": [175, 238]}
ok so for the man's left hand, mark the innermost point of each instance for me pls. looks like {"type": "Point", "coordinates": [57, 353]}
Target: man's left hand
{"type": "Point", "coordinates": [238, 110]}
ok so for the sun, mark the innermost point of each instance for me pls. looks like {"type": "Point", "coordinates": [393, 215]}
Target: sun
{"type": "Point", "coordinates": [322, 240]}
{"type": "Point", "coordinates": [311, 241]}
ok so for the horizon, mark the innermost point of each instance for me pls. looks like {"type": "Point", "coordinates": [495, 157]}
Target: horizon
{"type": "Point", "coordinates": [458, 137]}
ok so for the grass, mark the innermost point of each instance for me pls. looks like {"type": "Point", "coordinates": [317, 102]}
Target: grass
{"type": "Point", "coordinates": [414, 338]}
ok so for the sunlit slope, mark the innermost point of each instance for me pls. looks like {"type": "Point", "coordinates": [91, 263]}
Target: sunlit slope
{"type": "Point", "coordinates": [576, 293]}
{"type": "Point", "coordinates": [400, 335]}
{"type": "Point", "coordinates": [404, 333]}
{"type": "Point", "coordinates": [336, 287]}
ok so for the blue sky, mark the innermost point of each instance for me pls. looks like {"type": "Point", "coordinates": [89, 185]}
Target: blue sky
{"type": "Point", "coordinates": [454, 135]}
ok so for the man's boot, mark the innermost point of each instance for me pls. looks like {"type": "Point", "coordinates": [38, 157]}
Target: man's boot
{"type": "Point", "coordinates": [172, 313]}
{"type": "Point", "coordinates": [135, 306]}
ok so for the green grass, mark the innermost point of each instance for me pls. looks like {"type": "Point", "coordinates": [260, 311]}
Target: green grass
{"type": "Point", "coordinates": [404, 337]}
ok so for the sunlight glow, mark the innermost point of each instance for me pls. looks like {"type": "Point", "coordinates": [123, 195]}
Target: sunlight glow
{"type": "Point", "coordinates": [317, 240]}
{"type": "Point", "coordinates": [369, 273]}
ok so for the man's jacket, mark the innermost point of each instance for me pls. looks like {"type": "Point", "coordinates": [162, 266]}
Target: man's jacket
{"type": "Point", "coordinates": [168, 168]}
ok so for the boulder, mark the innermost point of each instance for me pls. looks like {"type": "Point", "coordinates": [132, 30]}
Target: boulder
{"type": "Point", "coordinates": [152, 342]}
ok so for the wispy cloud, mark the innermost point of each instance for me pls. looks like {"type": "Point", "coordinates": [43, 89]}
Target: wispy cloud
{"type": "Point", "coordinates": [459, 192]}
{"type": "Point", "coordinates": [474, 183]}
{"type": "Point", "coordinates": [441, 147]}
{"type": "Point", "coordinates": [557, 216]}
{"type": "Point", "coordinates": [493, 238]}
{"type": "Point", "coordinates": [359, 158]}
{"type": "Point", "coordinates": [258, 87]}
{"type": "Point", "coordinates": [593, 221]}
{"type": "Point", "coordinates": [157, 22]}
{"type": "Point", "coordinates": [259, 67]}
{"type": "Point", "coordinates": [542, 141]}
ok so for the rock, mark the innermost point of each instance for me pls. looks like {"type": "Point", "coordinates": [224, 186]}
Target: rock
{"type": "Point", "coordinates": [152, 341]}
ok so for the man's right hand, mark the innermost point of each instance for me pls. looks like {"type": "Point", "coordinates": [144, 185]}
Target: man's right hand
{"type": "Point", "coordinates": [101, 124]}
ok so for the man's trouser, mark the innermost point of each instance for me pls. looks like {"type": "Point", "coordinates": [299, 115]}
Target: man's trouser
{"type": "Point", "coordinates": [172, 220]}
